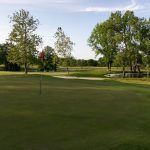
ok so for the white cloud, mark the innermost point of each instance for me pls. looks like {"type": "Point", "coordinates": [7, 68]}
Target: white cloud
{"type": "Point", "coordinates": [70, 5]}
{"type": "Point", "coordinates": [35, 1]}
{"type": "Point", "coordinates": [133, 6]}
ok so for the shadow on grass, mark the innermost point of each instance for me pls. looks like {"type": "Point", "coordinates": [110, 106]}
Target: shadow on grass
{"type": "Point", "coordinates": [127, 146]}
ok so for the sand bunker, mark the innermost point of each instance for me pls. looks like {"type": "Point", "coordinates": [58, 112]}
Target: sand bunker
{"type": "Point", "coordinates": [83, 78]}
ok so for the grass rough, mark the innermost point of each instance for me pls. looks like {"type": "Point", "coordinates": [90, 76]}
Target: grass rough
{"type": "Point", "coordinates": [73, 114]}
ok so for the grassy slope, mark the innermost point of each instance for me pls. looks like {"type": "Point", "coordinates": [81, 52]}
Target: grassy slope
{"type": "Point", "coordinates": [73, 114]}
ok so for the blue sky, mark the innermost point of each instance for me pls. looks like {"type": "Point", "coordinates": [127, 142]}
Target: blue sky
{"type": "Point", "coordinates": [76, 17]}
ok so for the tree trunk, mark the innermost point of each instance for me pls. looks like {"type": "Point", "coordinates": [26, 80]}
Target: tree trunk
{"type": "Point", "coordinates": [131, 69]}
{"type": "Point", "coordinates": [147, 70]}
{"type": "Point", "coordinates": [68, 70]}
{"type": "Point", "coordinates": [55, 67]}
{"type": "Point", "coordinates": [25, 68]}
{"type": "Point", "coordinates": [139, 70]}
{"type": "Point", "coordinates": [124, 73]}
{"type": "Point", "coordinates": [134, 68]}
{"type": "Point", "coordinates": [108, 66]}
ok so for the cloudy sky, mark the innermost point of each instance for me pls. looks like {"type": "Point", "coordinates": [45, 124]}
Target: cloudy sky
{"type": "Point", "coordinates": [76, 17]}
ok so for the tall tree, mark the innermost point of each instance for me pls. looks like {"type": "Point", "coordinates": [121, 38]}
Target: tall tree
{"type": "Point", "coordinates": [102, 41]}
{"type": "Point", "coordinates": [143, 38]}
{"type": "Point", "coordinates": [122, 36]}
{"type": "Point", "coordinates": [22, 38]}
{"type": "Point", "coordinates": [128, 37]}
{"type": "Point", "coordinates": [128, 45]}
{"type": "Point", "coordinates": [63, 45]}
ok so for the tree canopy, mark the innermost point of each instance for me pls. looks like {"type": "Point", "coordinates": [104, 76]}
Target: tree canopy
{"type": "Point", "coordinates": [123, 37]}
{"type": "Point", "coordinates": [63, 45]}
{"type": "Point", "coordinates": [23, 40]}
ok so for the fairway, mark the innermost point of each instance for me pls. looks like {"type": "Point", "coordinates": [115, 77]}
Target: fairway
{"type": "Point", "coordinates": [73, 114]}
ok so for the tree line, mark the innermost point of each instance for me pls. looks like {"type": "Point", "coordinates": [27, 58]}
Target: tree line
{"type": "Point", "coordinates": [21, 47]}
{"type": "Point", "coordinates": [51, 60]}
{"type": "Point", "coordinates": [123, 39]}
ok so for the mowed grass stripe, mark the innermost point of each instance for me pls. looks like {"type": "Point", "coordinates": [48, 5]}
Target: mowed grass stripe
{"type": "Point", "coordinates": [73, 114]}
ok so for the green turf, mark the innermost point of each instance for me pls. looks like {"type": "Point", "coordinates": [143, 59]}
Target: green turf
{"type": "Point", "coordinates": [73, 114]}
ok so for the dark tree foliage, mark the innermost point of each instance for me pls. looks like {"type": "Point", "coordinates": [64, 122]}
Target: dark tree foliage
{"type": "Point", "coordinates": [49, 59]}
{"type": "Point", "coordinates": [3, 59]}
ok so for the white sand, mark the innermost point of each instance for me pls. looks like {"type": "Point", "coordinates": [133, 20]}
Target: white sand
{"type": "Point", "coordinates": [83, 78]}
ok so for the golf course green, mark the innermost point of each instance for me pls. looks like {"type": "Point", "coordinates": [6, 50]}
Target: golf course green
{"type": "Point", "coordinates": [73, 114]}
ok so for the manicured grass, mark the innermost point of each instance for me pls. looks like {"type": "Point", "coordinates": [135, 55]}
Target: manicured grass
{"type": "Point", "coordinates": [91, 71]}
{"type": "Point", "coordinates": [73, 114]}
{"type": "Point", "coordinates": [96, 73]}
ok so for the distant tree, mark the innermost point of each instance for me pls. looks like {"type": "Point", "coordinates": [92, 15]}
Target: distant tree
{"type": "Point", "coordinates": [82, 62]}
{"type": "Point", "coordinates": [3, 59]}
{"type": "Point", "coordinates": [70, 62]}
{"type": "Point", "coordinates": [63, 45]}
{"type": "Point", "coordinates": [22, 39]}
{"type": "Point", "coordinates": [55, 62]}
{"type": "Point", "coordinates": [49, 53]}
{"type": "Point", "coordinates": [92, 62]}
{"type": "Point", "coordinates": [3, 53]}
{"type": "Point", "coordinates": [50, 59]}
{"type": "Point", "coordinates": [102, 62]}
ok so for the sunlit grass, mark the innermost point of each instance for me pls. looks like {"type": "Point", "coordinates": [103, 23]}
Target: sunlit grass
{"type": "Point", "coordinates": [134, 80]}
{"type": "Point", "coordinates": [72, 114]}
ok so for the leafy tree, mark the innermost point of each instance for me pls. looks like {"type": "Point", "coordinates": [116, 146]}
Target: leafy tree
{"type": "Point", "coordinates": [3, 59]}
{"type": "Point", "coordinates": [128, 34]}
{"type": "Point", "coordinates": [70, 62]}
{"type": "Point", "coordinates": [82, 62]}
{"type": "Point", "coordinates": [63, 45]}
{"type": "Point", "coordinates": [50, 59]}
{"type": "Point", "coordinates": [3, 53]}
{"type": "Point", "coordinates": [102, 62]}
{"type": "Point", "coordinates": [92, 62]}
{"type": "Point", "coordinates": [103, 42]}
{"type": "Point", "coordinates": [143, 38]}
{"type": "Point", "coordinates": [126, 31]}
{"type": "Point", "coordinates": [123, 38]}
{"type": "Point", "coordinates": [22, 38]}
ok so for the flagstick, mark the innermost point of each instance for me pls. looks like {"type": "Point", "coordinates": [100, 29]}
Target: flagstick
{"type": "Point", "coordinates": [42, 57]}
{"type": "Point", "coordinates": [41, 84]}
